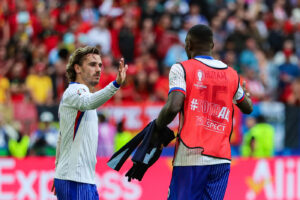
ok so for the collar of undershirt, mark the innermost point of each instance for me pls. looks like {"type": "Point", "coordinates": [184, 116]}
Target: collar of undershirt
{"type": "Point", "coordinates": [74, 83]}
{"type": "Point", "coordinates": [205, 57]}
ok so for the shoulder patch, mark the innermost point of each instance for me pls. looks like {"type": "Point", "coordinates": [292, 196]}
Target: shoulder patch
{"type": "Point", "coordinates": [80, 91]}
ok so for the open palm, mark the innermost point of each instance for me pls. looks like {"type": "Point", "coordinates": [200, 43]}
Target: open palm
{"type": "Point", "coordinates": [121, 77]}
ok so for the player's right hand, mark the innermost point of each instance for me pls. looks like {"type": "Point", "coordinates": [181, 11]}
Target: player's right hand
{"type": "Point", "coordinates": [53, 189]}
{"type": "Point", "coordinates": [121, 77]}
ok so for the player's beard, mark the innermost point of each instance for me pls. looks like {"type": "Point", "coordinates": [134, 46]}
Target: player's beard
{"type": "Point", "coordinates": [91, 80]}
{"type": "Point", "coordinates": [94, 83]}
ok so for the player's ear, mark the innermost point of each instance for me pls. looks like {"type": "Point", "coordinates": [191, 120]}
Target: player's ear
{"type": "Point", "coordinates": [212, 45]}
{"type": "Point", "coordinates": [188, 45]}
{"type": "Point", "coordinates": [77, 69]}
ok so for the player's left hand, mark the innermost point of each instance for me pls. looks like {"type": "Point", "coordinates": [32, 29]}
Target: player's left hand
{"type": "Point", "coordinates": [121, 77]}
{"type": "Point", "coordinates": [245, 89]}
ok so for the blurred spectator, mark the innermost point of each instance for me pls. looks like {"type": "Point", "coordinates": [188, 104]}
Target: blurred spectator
{"type": "Point", "coordinates": [17, 82]}
{"type": "Point", "coordinates": [164, 36]}
{"type": "Point", "coordinates": [89, 13]}
{"type": "Point", "coordinates": [288, 72]}
{"type": "Point", "coordinates": [293, 98]}
{"type": "Point", "coordinates": [152, 9]}
{"type": "Point", "coordinates": [4, 27]}
{"type": "Point", "coordinates": [127, 39]}
{"type": "Point", "coordinates": [268, 75]}
{"type": "Point", "coordinates": [276, 36]}
{"type": "Point", "coordinates": [181, 7]}
{"type": "Point", "coordinates": [18, 147]}
{"type": "Point", "coordinates": [107, 8]}
{"type": "Point", "coordinates": [122, 136]}
{"type": "Point", "coordinates": [62, 21]}
{"type": "Point", "coordinates": [26, 113]}
{"type": "Point", "coordinates": [176, 13]}
{"type": "Point", "coordinates": [279, 10]}
{"type": "Point", "coordinates": [6, 132]}
{"type": "Point", "coordinates": [114, 31]}
{"type": "Point", "coordinates": [261, 27]}
{"type": "Point", "coordinates": [176, 53]}
{"type": "Point", "coordinates": [255, 33]}
{"type": "Point", "coordinates": [4, 89]}
{"type": "Point", "coordinates": [106, 136]}
{"type": "Point", "coordinates": [218, 30]}
{"type": "Point", "coordinates": [286, 55]}
{"type": "Point", "coordinates": [254, 85]}
{"type": "Point", "coordinates": [230, 59]}
{"type": "Point", "coordinates": [100, 35]}
{"type": "Point", "coordinates": [183, 31]}
{"type": "Point", "coordinates": [258, 142]}
{"type": "Point", "coordinates": [49, 35]}
{"type": "Point", "coordinates": [43, 140]}
{"type": "Point", "coordinates": [141, 86]}
{"type": "Point", "coordinates": [248, 57]}
{"type": "Point", "coordinates": [38, 54]}
{"type": "Point", "coordinates": [237, 37]}
{"type": "Point", "coordinates": [3, 142]}
{"type": "Point", "coordinates": [161, 86]}
{"type": "Point", "coordinates": [5, 61]}
{"type": "Point", "coordinates": [297, 40]}
{"type": "Point", "coordinates": [7, 108]}
{"type": "Point", "coordinates": [58, 75]}
{"type": "Point", "coordinates": [146, 42]}
{"type": "Point", "coordinates": [195, 17]}
{"type": "Point", "coordinates": [40, 85]}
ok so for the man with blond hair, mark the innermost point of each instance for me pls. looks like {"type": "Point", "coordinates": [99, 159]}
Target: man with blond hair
{"type": "Point", "coordinates": [78, 139]}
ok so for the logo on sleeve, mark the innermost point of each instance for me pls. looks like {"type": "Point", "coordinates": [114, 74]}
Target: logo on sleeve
{"type": "Point", "coordinates": [80, 91]}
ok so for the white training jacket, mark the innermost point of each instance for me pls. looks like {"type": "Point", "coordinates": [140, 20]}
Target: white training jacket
{"type": "Point", "coordinates": [78, 139]}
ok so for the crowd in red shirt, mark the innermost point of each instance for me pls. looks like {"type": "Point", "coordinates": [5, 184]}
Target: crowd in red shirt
{"type": "Point", "coordinates": [260, 39]}
{"type": "Point", "coordinates": [249, 35]}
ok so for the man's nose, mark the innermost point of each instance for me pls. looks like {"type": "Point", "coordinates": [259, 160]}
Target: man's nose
{"type": "Point", "coordinates": [98, 68]}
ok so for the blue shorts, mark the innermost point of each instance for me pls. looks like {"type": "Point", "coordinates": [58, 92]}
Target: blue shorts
{"type": "Point", "coordinates": [199, 182]}
{"type": "Point", "coordinates": [71, 190]}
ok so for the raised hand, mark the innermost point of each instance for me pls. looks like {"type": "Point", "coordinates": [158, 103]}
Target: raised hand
{"type": "Point", "coordinates": [121, 77]}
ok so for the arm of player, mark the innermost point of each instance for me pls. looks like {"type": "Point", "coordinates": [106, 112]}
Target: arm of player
{"type": "Point", "coordinates": [171, 108]}
{"type": "Point", "coordinates": [83, 100]}
{"type": "Point", "coordinates": [245, 103]}
{"type": "Point", "coordinates": [176, 96]}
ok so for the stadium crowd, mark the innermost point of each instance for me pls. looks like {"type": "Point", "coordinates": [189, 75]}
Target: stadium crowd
{"type": "Point", "coordinates": [260, 39]}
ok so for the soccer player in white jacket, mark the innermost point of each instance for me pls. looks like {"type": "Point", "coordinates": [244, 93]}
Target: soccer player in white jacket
{"type": "Point", "coordinates": [78, 138]}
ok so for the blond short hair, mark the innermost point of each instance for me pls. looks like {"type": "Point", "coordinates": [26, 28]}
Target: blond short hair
{"type": "Point", "coordinates": [77, 58]}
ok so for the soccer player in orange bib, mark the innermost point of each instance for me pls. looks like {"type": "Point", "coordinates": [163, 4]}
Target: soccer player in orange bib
{"type": "Point", "coordinates": [203, 90]}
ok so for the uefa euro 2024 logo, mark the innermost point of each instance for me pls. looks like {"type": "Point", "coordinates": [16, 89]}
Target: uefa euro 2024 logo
{"type": "Point", "coordinates": [199, 75]}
